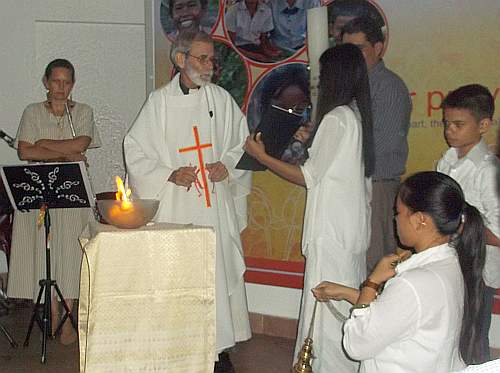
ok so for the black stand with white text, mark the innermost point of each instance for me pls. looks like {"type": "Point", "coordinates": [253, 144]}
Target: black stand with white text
{"type": "Point", "coordinates": [44, 187]}
{"type": "Point", "coordinates": [5, 211]}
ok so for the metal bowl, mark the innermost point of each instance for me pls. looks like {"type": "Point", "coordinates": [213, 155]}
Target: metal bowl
{"type": "Point", "coordinates": [137, 214]}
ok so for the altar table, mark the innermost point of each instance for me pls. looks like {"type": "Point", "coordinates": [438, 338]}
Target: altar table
{"type": "Point", "coordinates": [147, 299]}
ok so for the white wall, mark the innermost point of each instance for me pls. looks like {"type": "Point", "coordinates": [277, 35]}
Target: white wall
{"type": "Point", "coordinates": [273, 300]}
{"type": "Point", "coordinates": [105, 40]}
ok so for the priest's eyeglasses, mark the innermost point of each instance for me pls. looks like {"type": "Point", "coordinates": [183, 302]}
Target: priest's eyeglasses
{"type": "Point", "coordinates": [204, 59]}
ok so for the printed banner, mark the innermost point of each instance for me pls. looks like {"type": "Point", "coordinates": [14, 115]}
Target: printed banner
{"type": "Point", "coordinates": [433, 46]}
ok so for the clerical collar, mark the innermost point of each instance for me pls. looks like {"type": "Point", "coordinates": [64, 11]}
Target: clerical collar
{"type": "Point", "coordinates": [184, 88]}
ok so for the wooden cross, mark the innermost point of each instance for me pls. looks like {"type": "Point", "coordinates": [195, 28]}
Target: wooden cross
{"type": "Point", "coordinates": [198, 147]}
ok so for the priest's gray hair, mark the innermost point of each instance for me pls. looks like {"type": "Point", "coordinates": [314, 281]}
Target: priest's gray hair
{"type": "Point", "coordinates": [184, 41]}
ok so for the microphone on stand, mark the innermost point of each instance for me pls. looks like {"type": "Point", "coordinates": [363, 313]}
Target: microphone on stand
{"type": "Point", "coordinates": [70, 119]}
{"type": "Point", "coordinates": [8, 139]}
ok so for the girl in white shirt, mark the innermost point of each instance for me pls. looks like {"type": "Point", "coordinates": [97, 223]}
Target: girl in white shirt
{"type": "Point", "coordinates": [426, 318]}
{"type": "Point", "coordinates": [337, 177]}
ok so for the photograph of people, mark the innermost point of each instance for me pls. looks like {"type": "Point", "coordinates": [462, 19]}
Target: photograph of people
{"type": "Point", "coordinates": [341, 12]}
{"type": "Point", "coordinates": [249, 23]}
{"type": "Point", "coordinates": [290, 23]}
{"type": "Point", "coordinates": [230, 71]}
{"type": "Point", "coordinates": [187, 15]}
{"type": "Point", "coordinates": [287, 87]}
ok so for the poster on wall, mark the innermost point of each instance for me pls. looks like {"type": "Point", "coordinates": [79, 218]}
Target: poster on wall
{"type": "Point", "coordinates": [263, 62]}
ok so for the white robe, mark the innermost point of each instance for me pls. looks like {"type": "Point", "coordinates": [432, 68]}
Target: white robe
{"type": "Point", "coordinates": [165, 125]}
{"type": "Point", "coordinates": [336, 231]}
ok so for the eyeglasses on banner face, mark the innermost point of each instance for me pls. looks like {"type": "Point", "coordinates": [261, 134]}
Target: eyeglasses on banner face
{"type": "Point", "coordinates": [299, 110]}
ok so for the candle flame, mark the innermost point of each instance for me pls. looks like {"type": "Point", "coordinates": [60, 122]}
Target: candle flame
{"type": "Point", "coordinates": [122, 194]}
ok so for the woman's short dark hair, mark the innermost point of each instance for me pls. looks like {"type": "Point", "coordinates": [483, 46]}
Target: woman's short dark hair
{"type": "Point", "coordinates": [343, 80]}
{"type": "Point", "coordinates": [441, 198]}
{"type": "Point", "coordinates": [59, 62]}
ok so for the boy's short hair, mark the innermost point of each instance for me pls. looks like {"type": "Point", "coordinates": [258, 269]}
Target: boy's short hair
{"type": "Point", "coordinates": [367, 26]}
{"type": "Point", "coordinates": [473, 97]}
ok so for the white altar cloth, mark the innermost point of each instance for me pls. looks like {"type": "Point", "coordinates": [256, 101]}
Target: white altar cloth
{"type": "Point", "coordinates": [147, 299]}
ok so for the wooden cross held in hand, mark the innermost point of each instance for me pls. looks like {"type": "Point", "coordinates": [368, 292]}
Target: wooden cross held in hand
{"type": "Point", "coordinates": [198, 147]}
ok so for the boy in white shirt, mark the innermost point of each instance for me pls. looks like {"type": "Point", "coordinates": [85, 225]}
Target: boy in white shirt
{"type": "Point", "coordinates": [467, 116]}
{"type": "Point", "coordinates": [249, 23]}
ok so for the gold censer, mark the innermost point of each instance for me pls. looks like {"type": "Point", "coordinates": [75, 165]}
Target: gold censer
{"type": "Point", "coordinates": [305, 356]}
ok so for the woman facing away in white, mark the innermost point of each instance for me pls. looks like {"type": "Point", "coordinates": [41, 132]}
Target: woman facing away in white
{"type": "Point", "coordinates": [425, 320]}
{"type": "Point", "coordinates": [337, 217]}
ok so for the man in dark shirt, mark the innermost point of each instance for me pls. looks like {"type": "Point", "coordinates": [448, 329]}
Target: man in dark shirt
{"type": "Point", "coordinates": [391, 109]}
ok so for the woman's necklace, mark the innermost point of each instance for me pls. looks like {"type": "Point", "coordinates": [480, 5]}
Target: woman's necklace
{"type": "Point", "coordinates": [59, 120]}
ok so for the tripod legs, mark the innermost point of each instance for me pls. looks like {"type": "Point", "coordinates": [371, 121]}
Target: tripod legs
{"type": "Point", "coordinates": [45, 322]}
{"type": "Point", "coordinates": [4, 305]}
{"type": "Point", "coordinates": [67, 313]}
{"type": "Point", "coordinates": [45, 288]}
{"type": "Point", "coordinates": [8, 336]}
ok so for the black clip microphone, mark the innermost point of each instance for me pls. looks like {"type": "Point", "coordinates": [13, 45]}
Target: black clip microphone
{"type": "Point", "coordinates": [210, 112]}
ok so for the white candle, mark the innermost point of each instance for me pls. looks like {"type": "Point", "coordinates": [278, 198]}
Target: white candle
{"type": "Point", "coordinates": [317, 43]}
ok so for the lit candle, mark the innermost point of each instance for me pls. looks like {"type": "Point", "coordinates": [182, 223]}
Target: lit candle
{"type": "Point", "coordinates": [123, 196]}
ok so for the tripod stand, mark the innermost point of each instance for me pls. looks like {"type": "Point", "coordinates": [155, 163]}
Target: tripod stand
{"type": "Point", "coordinates": [40, 186]}
{"type": "Point", "coordinates": [46, 285]}
{"type": "Point", "coordinates": [5, 212]}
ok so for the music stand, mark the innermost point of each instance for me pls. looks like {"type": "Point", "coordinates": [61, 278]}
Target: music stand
{"type": "Point", "coordinates": [47, 186]}
{"type": "Point", "coordinates": [5, 210]}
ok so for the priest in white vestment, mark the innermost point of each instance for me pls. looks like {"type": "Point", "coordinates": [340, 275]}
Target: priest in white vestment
{"type": "Point", "coordinates": [182, 149]}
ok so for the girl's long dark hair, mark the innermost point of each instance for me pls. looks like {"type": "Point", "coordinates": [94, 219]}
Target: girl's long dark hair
{"type": "Point", "coordinates": [441, 197]}
{"type": "Point", "coordinates": [343, 79]}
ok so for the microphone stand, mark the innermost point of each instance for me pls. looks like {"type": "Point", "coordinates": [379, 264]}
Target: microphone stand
{"type": "Point", "coordinates": [8, 139]}
{"type": "Point", "coordinates": [70, 119]}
